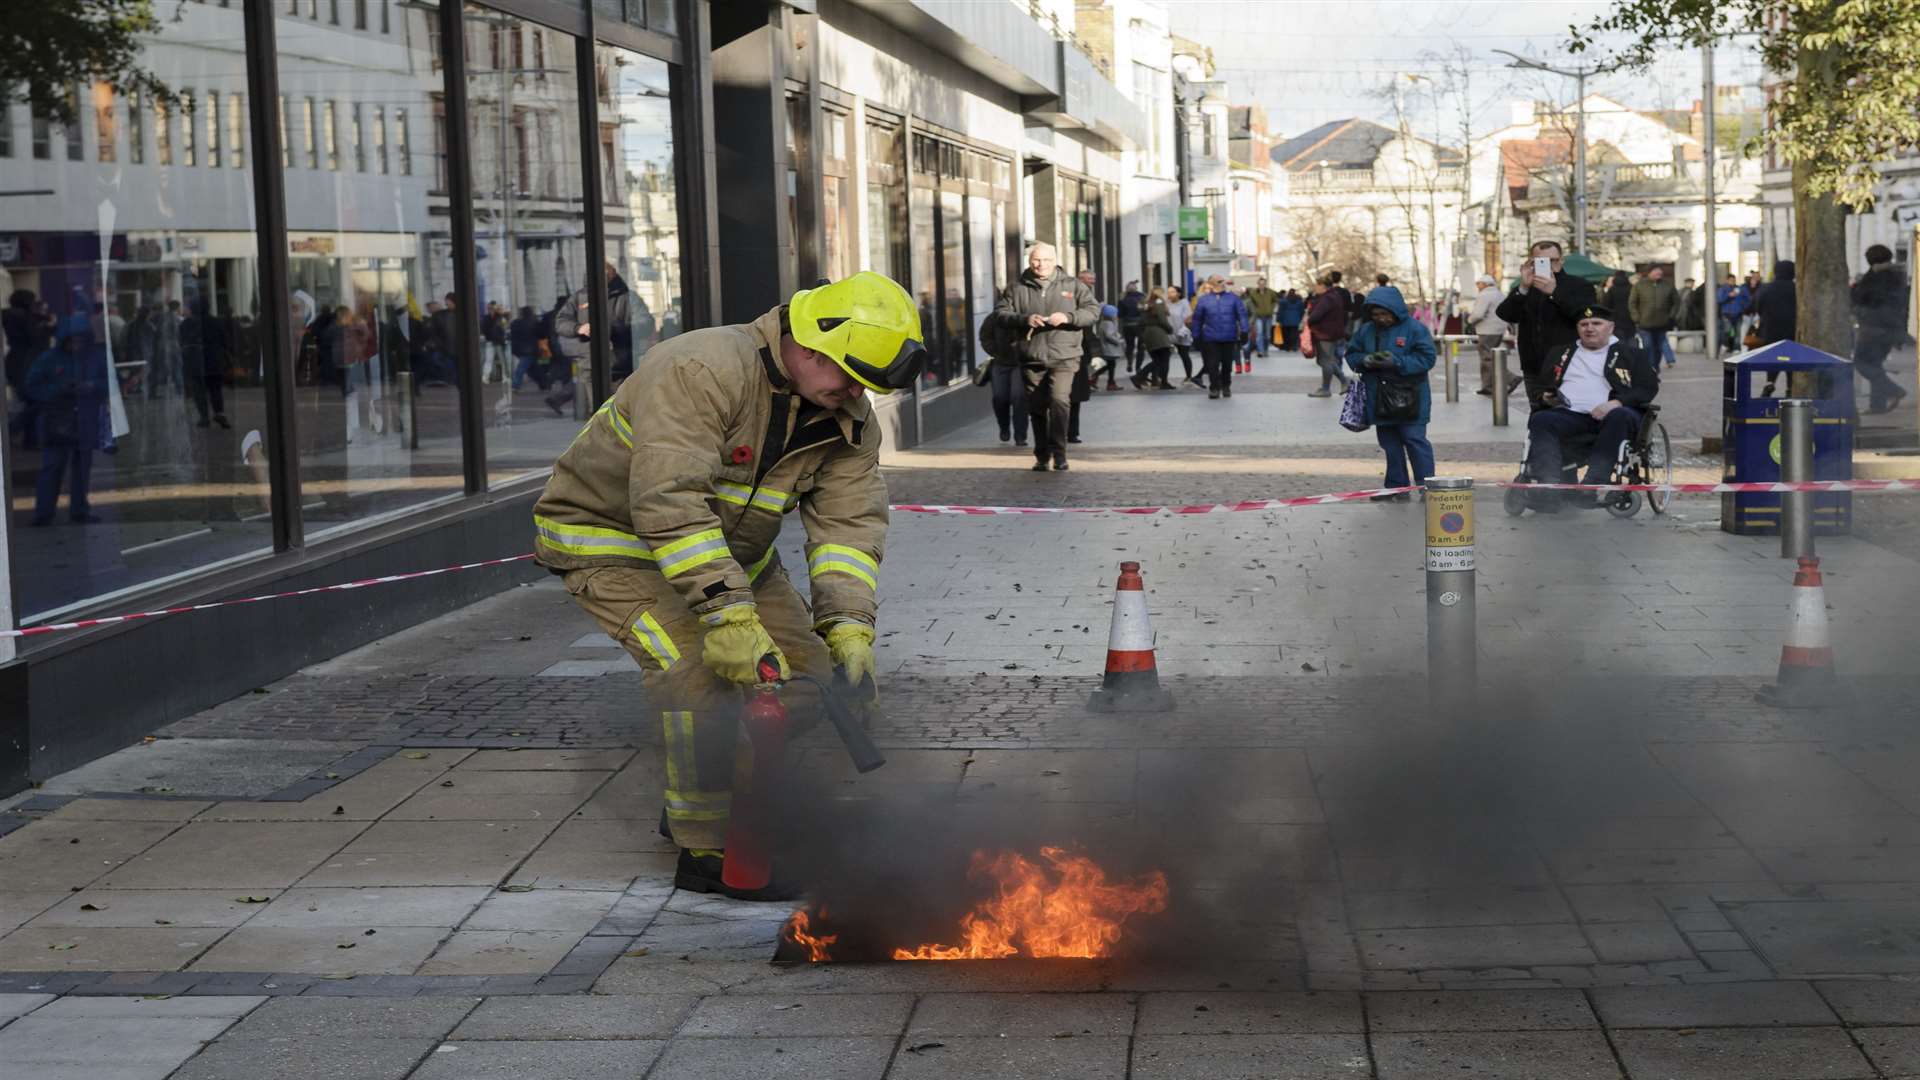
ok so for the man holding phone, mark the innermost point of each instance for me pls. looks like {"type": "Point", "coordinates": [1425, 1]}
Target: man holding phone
{"type": "Point", "coordinates": [1544, 307]}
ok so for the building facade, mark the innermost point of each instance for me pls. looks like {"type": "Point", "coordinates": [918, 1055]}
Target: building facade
{"type": "Point", "coordinates": [324, 272]}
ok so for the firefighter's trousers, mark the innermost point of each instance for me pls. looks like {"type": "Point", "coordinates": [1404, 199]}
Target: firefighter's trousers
{"type": "Point", "coordinates": [700, 712]}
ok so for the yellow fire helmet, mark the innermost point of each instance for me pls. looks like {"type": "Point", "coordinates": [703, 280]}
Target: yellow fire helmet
{"type": "Point", "coordinates": [865, 323]}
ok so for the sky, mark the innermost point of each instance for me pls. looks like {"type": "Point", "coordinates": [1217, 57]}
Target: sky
{"type": "Point", "coordinates": [1311, 61]}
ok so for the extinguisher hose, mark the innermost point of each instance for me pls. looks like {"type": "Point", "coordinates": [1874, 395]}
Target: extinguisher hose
{"type": "Point", "coordinates": [866, 756]}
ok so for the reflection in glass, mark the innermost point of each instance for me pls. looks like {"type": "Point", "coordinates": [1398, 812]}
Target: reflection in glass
{"type": "Point", "coordinates": [134, 376]}
{"type": "Point", "coordinates": [643, 224]}
{"type": "Point", "coordinates": [953, 282]}
{"type": "Point", "coordinates": [924, 283]}
{"type": "Point", "coordinates": [530, 242]}
{"type": "Point", "coordinates": [377, 406]}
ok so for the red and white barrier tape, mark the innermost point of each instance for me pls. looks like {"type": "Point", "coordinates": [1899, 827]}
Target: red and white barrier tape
{"type": "Point", "coordinates": [1350, 496]}
{"type": "Point", "coordinates": [984, 511]}
{"type": "Point", "coordinates": [109, 620]}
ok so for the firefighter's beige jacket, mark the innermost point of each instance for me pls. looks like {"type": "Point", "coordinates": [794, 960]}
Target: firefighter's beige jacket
{"type": "Point", "coordinates": [693, 463]}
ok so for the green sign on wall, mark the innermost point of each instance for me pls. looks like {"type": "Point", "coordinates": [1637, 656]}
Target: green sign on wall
{"type": "Point", "coordinates": [1193, 225]}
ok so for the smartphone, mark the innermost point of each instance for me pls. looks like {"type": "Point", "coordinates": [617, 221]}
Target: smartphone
{"type": "Point", "coordinates": [1542, 267]}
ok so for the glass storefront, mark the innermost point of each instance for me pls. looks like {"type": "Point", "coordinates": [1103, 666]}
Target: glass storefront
{"type": "Point", "coordinates": [642, 214]}
{"type": "Point", "coordinates": [135, 377]}
{"type": "Point", "coordinates": [959, 206]}
{"type": "Point", "coordinates": [376, 407]}
{"type": "Point", "coordinates": [138, 362]}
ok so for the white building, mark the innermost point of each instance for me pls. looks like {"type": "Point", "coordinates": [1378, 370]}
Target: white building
{"type": "Point", "coordinates": [1132, 41]}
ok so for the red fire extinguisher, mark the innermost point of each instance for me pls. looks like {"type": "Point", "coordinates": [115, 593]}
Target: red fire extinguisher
{"type": "Point", "coordinates": [749, 859]}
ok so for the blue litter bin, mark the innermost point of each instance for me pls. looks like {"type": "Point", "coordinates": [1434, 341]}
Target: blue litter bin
{"type": "Point", "coordinates": [1751, 434]}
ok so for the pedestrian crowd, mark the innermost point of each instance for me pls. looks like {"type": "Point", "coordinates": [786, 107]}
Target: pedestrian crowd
{"type": "Point", "coordinates": [1052, 343]}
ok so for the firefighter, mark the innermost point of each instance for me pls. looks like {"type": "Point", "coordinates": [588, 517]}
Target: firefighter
{"type": "Point", "coordinates": [662, 515]}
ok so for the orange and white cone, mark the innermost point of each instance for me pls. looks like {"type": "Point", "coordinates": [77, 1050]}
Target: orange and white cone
{"type": "Point", "coordinates": [1132, 682]}
{"type": "Point", "coordinates": [1806, 658]}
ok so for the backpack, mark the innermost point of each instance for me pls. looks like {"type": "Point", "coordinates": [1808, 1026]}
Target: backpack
{"type": "Point", "coordinates": [993, 337]}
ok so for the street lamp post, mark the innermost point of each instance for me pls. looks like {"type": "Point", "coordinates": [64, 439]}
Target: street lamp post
{"type": "Point", "coordinates": [1579, 77]}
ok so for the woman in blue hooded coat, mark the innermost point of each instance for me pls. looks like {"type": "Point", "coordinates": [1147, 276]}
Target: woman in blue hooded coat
{"type": "Point", "coordinates": [1393, 353]}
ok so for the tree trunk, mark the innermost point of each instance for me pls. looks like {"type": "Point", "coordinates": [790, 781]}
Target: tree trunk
{"type": "Point", "coordinates": [1823, 318]}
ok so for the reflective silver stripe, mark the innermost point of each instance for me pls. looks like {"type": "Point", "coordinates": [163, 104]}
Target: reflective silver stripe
{"type": "Point", "coordinates": [689, 557]}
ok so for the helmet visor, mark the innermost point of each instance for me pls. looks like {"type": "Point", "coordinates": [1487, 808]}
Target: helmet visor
{"type": "Point", "coordinates": [889, 374]}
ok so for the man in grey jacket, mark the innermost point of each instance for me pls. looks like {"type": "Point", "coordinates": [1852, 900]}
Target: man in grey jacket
{"type": "Point", "coordinates": [1045, 313]}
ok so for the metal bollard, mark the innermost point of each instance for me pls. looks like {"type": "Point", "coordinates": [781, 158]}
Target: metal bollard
{"type": "Point", "coordinates": [1796, 464]}
{"type": "Point", "coordinates": [1500, 387]}
{"type": "Point", "coordinates": [1452, 652]}
{"type": "Point", "coordinates": [1453, 371]}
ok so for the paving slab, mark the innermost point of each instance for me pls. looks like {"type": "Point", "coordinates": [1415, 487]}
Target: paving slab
{"type": "Point", "coordinates": [1078, 1057]}
{"type": "Point", "coordinates": [1457, 907]}
{"type": "Point", "coordinates": [1474, 947]}
{"type": "Point", "coordinates": [362, 1057]}
{"type": "Point", "coordinates": [392, 950]}
{"type": "Point", "coordinates": [1806, 1053]}
{"type": "Point", "coordinates": [1478, 1010]}
{"type": "Point", "coordinates": [13, 1006]}
{"type": "Point", "coordinates": [1873, 1001]}
{"type": "Point", "coordinates": [18, 907]}
{"type": "Point", "coordinates": [150, 907]}
{"type": "Point", "coordinates": [204, 1007]}
{"type": "Point", "coordinates": [1021, 1015]}
{"type": "Point", "coordinates": [1249, 1057]}
{"type": "Point", "coordinates": [150, 948]}
{"type": "Point", "coordinates": [1751, 1004]}
{"type": "Point", "coordinates": [32, 1041]}
{"type": "Point", "coordinates": [328, 1018]}
{"type": "Point", "coordinates": [233, 855]}
{"type": "Point", "coordinates": [591, 870]}
{"type": "Point", "coordinates": [1834, 937]}
{"type": "Point", "coordinates": [1639, 942]}
{"type": "Point", "coordinates": [1495, 1055]}
{"type": "Point", "coordinates": [1895, 1050]}
{"type": "Point", "coordinates": [1229, 1013]}
{"type": "Point", "coordinates": [623, 1059]}
{"type": "Point", "coordinates": [109, 809]}
{"type": "Point", "coordinates": [561, 760]}
{"type": "Point", "coordinates": [445, 867]}
{"type": "Point", "coordinates": [773, 1016]}
{"type": "Point", "coordinates": [757, 1059]}
{"type": "Point", "coordinates": [634, 1016]}
{"type": "Point", "coordinates": [543, 909]}
{"type": "Point", "coordinates": [58, 856]}
{"type": "Point", "coordinates": [500, 952]}
{"type": "Point", "coordinates": [314, 908]}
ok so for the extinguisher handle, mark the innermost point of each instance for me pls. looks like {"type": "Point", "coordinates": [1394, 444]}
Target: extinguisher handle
{"type": "Point", "coordinates": [769, 669]}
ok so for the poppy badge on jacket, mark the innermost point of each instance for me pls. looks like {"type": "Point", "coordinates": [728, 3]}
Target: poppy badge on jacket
{"type": "Point", "coordinates": [1399, 343]}
{"type": "Point", "coordinates": [742, 455]}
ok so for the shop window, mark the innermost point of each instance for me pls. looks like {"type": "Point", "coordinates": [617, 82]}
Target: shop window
{"type": "Point", "coordinates": [376, 392]}
{"type": "Point", "coordinates": [886, 211]}
{"type": "Point", "coordinates": [642, 207]}
{"type": "Point", "coordinates": [837, 225]}
{"type": "Point", "coordinates": [152, 323]}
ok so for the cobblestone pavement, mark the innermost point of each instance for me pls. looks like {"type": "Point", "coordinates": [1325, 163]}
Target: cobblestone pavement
{"type": "Point", "coordinates": [1620, 864]}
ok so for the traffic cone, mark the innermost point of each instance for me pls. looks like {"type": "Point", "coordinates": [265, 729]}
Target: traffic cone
{"type": "Point", "coordinates": [1806, 658]}
{"type": "Point", "coordinates": [1132, 682]}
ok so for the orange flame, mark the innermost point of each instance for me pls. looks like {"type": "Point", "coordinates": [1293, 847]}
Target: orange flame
{"type": "Point", "coordinates": [1079, 915]}
{"type": "Point", "coordinates": [799, 931]}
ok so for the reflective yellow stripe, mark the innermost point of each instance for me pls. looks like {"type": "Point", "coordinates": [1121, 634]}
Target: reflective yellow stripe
{"type": "Point", "coordinates": [753, 572]}
{"type": "Point", "coordinates": [690, 551]}
{"type": "Point", "coordinates": [840, 559]}
{"type": "Point", "coordinates": [765, 498]}
{"type": "Point", "coordinates": [653, 637]}
{"type": "Point", "coordinates": [621, 429]}
{"type": "Point", "coordinates": [587, 539]}
{"type": "Point", "coordinates": [686, 805]}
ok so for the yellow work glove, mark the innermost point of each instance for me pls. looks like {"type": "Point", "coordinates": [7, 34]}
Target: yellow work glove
{"type": "Point", "coordinates": [851, 644]}
{"type": "Point", "coordinates": [736, 641]}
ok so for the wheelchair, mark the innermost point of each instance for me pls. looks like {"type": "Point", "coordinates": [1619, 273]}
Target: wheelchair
{"type": "Point", "coordinates": [1645, 458]}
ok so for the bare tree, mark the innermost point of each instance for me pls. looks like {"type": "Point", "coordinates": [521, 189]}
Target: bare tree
{"type": "Point", "coordinates": [1320, 241]}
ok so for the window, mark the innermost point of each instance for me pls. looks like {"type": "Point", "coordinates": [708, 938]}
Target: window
{"type": "Point", "coordinates": [176, 275]}
{"type": "Point", "coordinates": [237, 131]}
{"type": "Point", "coordinates": [6, 123]}
{"type": "Point", "coordinates": [377, 382]}
{"type": "Point", "coordinates": [522, 157]}
{"type": "Point", "coordinates": [380, 139]}
{"type": "Point", "coordinates": [162, 133]}
{"type": "Point", "coordinates": [213, 129]}
{"type": "Point", "coordinates": [386, 17]}
{"type": "Point", "coordinates": [286, 148]}
{"type": "Point", "coordinates": [494, 49]}
{"type": "Point", "coordinates": [540, 53]}
{"type": "Point", "coordinates": [42, 136]}
{"type": "Point", "coordinates": [519, 49]}
{"type": "Point", "coordinates": [76, 151]}
{"type": "Point", "coordinates": [136, 127]}
{"type": "Point", "coordinates": [330, 135]}
{"type": "Point", "coordinates": [837, 226]}
{"type": "Point", "coordinates": [402, 144]}
{"type": "Point", "coordinates": [311, 133]}
{"type": "Point", "coordinates": [333, 12]}
{"type": "Point", "coordinates": [886, 223]}
{"type": "Point", "coordinates": [189, 119]}
{"type": "Point", "coordinates": [106, 133]}
{"type": "Point", "coordinates": [642, 214]}
{"type": "Point", "coordinates": [440, 147]}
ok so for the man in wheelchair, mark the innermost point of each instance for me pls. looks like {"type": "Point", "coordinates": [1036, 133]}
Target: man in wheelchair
{"type": "Point", "coordinates": [1598, 389]}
